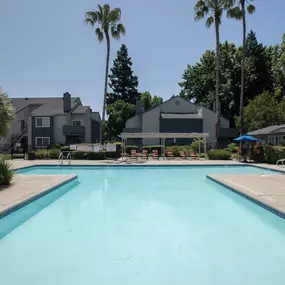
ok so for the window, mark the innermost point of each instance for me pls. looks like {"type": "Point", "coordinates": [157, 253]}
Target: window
{"type": "Point", "coordinates": [76, 123]}
{"type": "Point", "coordinates": [42, 142]}
{"type": "Point", "coordinates": [42, 122]}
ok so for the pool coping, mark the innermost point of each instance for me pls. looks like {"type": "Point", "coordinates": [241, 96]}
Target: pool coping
{"type": "Point", "coordinates": [249, 197]}
{"type": "Point", "coordinates": [35, 197]}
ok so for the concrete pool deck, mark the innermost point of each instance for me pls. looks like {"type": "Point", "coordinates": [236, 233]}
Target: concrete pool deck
{"type": "Point", "coordinates": [27, 187]}
{"type": "Point", "coordinates": [267, 190]}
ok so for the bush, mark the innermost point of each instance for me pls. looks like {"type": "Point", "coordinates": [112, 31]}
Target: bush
{"type": "Point", "coordinates": [219, 154]}
{"type": "Point", "coordinates": [96, 155]}
{"type": "Point", "coordinates": [177, 148]}
{"type": "Point", "coordinates": [195, 145]}
{"type": "Point", "coordinates": [78, 155]}
{"type": "Point", "coordinates": [257, 153]}
{"type": "Point", "coordinates": [65, 148]}
{"type": "Point", "coordinates": [232, 148]}
{"type": "Point", "coordinates": [202, 155]}
{"type": "Point", "coordinates": [273, 153]}
{"type": "Point", "coordinates": [54, 146]}
{"type": "Point", "coordinates": [41, 154]}
{"type": "Point", "coordinates": [6, 172]}
{"type": "Point", "coordinates": [129, 148]}
{"type": "Point", "coordinates": [53, 153]}
{"type": "Point", "coordinates": [150, 148]}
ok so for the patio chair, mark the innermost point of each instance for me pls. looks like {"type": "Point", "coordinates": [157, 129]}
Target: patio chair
{"type": "Point", "coordinates": [182, 154]}
{"type": "Point", "coordinates": [170, 154]}
{"type": "Point", "coordinates": [133, 154]}
{"type": "Point", "coordinates": [145, 154]}
{"type": "Point", "coordinates": [155, 154]}
{"type": "Point", "coordinates": [193, 155]}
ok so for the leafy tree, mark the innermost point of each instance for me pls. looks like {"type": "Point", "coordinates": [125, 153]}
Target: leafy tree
{"type": "Point", "coordinates": [122, 81]}
{"type": "Point", "coordinates": [239, 12]}
{"type": "Point", "coordinates": [215, 8]}
{"type": "Point", "coordinates": [108, 24]}
{"type": "Point", "coordinates": [263, 111]}
{"type": "Point", "coordinates": [120, 111]}
{"type": "Point", "coordinates": [7, 113]}
{"type": "Point", "coordinates": [149, 102]}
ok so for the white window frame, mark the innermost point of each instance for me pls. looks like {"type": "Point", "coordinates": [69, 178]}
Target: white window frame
{"type": "Point", "coordinates": [41, 146]}
{"type": "Point", "coordinates": [43, 118]}
{"type": "Point", "coordinates": [81, 123]}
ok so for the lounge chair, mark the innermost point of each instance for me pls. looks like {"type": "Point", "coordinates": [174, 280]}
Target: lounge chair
{"type": "Point", "coordinates": [133, 154]}
{"type": "Point", "coordinates": [155, 153]}
{"type": "Point", "coordinates": [170, 154]}
{"type": "Point", "coordinates": [193, 155]}
{"type": "Point", "coordinates": [145, 154]}
{"type": "Point", "coordinates": [182, 154]}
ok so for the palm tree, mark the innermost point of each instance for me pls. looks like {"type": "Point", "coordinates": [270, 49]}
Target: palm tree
{"type": "Point", "coordinates": [108, 24]}
{"type": "Point", "coordinates": [239, 12]}
{"type": "Point", "coordinates": [214, 8]}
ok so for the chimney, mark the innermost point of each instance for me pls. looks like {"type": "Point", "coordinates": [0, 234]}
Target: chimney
{"type": "Point", "coordinates": [139, 108]}
{"type": "Point", "coordinates": [66, 102]}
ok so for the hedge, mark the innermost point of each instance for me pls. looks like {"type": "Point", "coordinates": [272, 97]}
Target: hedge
{"type": "Point", "coordinates": [129, 148]}
{"type": "Point", "coordinates": [267, 153]}
{"type": "Point", "coordinates": [219, 154]}
{"type": "Point", "coordinates": [151, 148]}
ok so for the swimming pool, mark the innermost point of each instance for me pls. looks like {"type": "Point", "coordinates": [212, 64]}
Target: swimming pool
{"type": "Point", "coordinates": [146, 225]}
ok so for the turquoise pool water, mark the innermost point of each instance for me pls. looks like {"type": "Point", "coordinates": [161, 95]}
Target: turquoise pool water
{"type": "Point", "coordinates": [145, 226]}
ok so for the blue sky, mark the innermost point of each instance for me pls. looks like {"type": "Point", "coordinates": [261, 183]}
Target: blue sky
{"type": "Point", "coordinates": [47, 50]}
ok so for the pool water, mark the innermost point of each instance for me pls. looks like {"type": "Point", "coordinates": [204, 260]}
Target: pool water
{"type": "Point", "coordinates": [146, 226]}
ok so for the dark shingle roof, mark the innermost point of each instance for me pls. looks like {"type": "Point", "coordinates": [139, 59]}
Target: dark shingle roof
{"type": "Point", "coordinates": [277, 129]}
{"type": "Point", "coordinates": [81, 110]}
{"type": "Point", "coordinates": [46, 106]}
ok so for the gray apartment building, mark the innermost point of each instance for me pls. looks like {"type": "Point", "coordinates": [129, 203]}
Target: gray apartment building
{"type": "Point", "coordinates": [43, 121]}
{"type": "Point", "coordinates": [178, 115]}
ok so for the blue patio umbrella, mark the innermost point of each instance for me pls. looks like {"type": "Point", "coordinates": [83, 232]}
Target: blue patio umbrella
{"type": "Point", "coordinates": [246, 138]}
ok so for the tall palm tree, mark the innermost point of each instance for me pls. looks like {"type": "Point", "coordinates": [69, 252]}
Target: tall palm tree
{"type": "Point", "coordinates": [239, 12]}
{"type": "Point", "coordinates": [107, 23]}
{"type": "Point", "coordinates": [214, 8]}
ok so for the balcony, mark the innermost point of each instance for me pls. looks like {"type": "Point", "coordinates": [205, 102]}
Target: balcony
{"type": "Point", "coordinates": [69, 130]}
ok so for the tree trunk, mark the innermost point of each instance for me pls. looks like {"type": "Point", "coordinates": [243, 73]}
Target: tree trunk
{"type": "Point", "coordinates": [242, 67]}
{"type": "Point", "coordinates": [218, 111]}
{"type": "Point", "coordinates": [242, 74]}
{"type": "Point", "coordinates": [105, 88]}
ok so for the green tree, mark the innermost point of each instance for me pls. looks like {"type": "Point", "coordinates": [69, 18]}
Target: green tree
{"type": "Point", "coordinates": [120, 111]}
{"type": "Point", "coordinates": [263, 111]}
{"type": "Point", "coordinates": [122, 81]}
{"type": "Point", "coordinates": [7, 113]}
{"type": "Point", "coordinates": [108, 24]}
{"type": "Point", "coordinates": [239, 12]}
{"type": "Point", "coordinates": [215, 8]}
{"type": "Point", "coordinates": [149, 102]}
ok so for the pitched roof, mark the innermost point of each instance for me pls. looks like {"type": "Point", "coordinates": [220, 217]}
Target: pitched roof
{"type": "Point", "coordinates": [95, 116]}
{"type": "Point", "coordinates": [180, 116]}
{"type": "Point", "coordinates": [54, 104]}
{"type": "Point", "coordinates": [277, 129]}
{"type": "Point", "coordinates": [81, 110]}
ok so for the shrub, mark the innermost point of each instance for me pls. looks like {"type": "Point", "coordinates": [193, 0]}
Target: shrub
{"type": "Point", "coordinates": [6, 172]}
{"type": "Point", "coordinates": [232, 148]}
{"type": "Point", "coordinates": [129, 148]}
{"type": "Point", "coordinates": [150, 148]}
{"type": "Point", "coordinates": [202, 155]}
{"type": "Point", "coordinates": [96, 155]}
{"type": "Point", "coordinates": [54, 146]}
{"type": "Point", "coordinates": [65, 148]}
{"type": "Point", "coordinates": [273, 153]}
{"type": "Point", "coordinates": [257, 153]}
{"type": "Point", "coordinates": [219, 154]}
{"type": "Point", "coordinates": [53, 153]}
{"type": "Point", "coordinates": [41, 154]}
{"type": "Point", "coordinates": [78, 155]}
{"type": "Point", "coordinates": [177, 148]}
{"type": "Point", "coordinates": [195, 144]}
